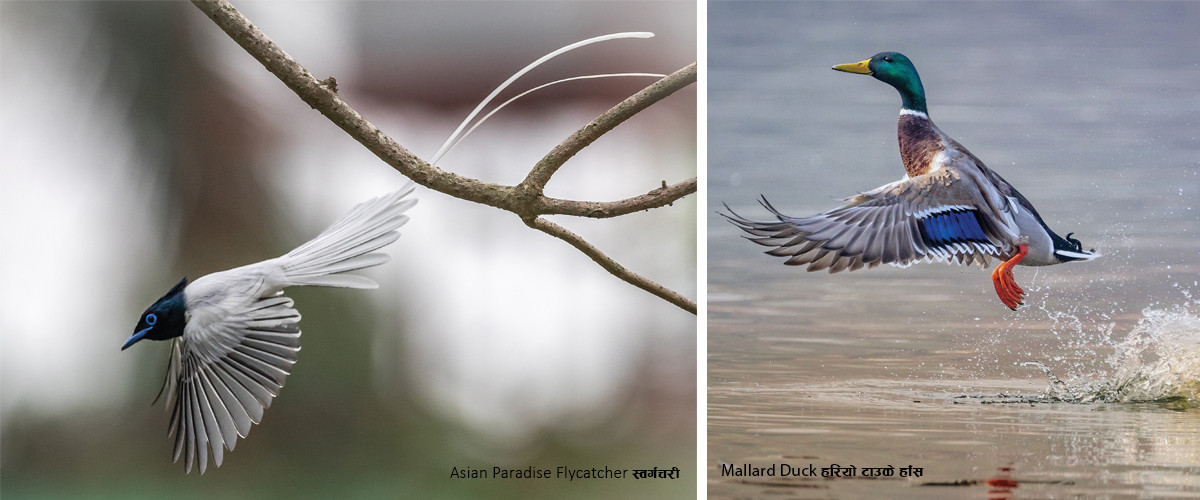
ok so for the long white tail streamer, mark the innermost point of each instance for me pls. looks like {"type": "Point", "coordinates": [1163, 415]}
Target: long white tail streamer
{"type": "Point", "coordinates": [453, 139]}
{"type": "Point", "coordinates": [539, 87]}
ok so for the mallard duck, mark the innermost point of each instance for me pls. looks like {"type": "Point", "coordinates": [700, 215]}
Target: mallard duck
{"type": "Point", "coordinates": [949, 207]}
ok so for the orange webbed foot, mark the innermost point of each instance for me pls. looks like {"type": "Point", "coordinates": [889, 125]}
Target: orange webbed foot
{"type": "Point", "coordinates": [1006, 287]}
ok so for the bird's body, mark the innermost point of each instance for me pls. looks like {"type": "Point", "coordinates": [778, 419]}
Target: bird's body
{"type": "Point", "coordinates": [948, 207]}
{"type": "Point", "coordinates": [235, 336]}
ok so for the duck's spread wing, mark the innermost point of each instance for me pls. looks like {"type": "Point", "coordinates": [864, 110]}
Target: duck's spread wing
{"type": "Point", "coordinates": [933, 217]}
{"type": "Point", "coordinates": [227, 367]}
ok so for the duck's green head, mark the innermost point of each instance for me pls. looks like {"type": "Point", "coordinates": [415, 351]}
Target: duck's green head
{"type": "Point", "coordinates": [894, 69]}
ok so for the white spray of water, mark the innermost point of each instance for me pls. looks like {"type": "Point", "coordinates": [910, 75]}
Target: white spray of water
{"type": "Point", "coordinates": [1159, 360]}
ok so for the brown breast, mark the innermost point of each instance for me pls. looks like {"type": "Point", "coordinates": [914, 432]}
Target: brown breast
{"type": "Point", "coordinates": [920, 143]}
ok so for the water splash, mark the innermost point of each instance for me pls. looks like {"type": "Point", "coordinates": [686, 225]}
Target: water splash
{"type": "Point", "coordinates": [1158, 361]}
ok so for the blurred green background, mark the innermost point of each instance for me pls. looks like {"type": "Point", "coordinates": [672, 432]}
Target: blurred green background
{"type": "Point", "coordinates": [142, 145]}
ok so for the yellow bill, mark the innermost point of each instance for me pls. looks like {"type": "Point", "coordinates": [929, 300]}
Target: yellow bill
{"type": "Point", "coordinates": [858, 67]}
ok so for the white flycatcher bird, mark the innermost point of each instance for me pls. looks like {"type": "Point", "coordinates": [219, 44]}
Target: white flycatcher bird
{"type": "Point", "coordinates": [235, 336]}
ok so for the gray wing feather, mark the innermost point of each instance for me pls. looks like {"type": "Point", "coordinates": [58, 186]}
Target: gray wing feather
{"type": "Point", "coordinates": [881, 226]}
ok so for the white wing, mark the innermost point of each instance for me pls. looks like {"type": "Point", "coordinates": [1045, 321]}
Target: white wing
{"type": "Point", "coordinates": [242, 335]}
{"type": "Point", "coordinates": [231, 361]}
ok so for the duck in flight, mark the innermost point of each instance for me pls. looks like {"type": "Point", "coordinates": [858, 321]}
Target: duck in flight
{"type": "Point", "coordinates": [949, 207]}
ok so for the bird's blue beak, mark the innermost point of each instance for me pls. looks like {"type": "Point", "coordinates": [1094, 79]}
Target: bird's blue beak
{"type": "Point", "coordinates": [134, 338]}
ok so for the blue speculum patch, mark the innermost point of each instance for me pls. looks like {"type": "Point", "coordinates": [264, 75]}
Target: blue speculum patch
{"type": "Point", "coordinates": [952, 227]}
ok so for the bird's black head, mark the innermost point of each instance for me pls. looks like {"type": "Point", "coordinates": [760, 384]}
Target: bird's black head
{"type": "Point", "coordinates": [163, 320]}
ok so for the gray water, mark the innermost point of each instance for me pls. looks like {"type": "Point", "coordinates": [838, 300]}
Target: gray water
{"type": "Point", "coordinates": [1092, 388]}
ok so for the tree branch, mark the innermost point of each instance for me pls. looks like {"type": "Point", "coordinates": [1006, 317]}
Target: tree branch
{"type": "Point", "coordinates": [326, 101]}
{"type": "Point", "coordinates": [526, 199]}
{"type": "Point", "coordinates": [610, 265]}
{"type": "Point", "coordinates": [659, 197]}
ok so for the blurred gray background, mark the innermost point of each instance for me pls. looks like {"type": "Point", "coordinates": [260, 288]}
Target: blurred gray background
{"type": "Point", "coordinates": [140, 145]}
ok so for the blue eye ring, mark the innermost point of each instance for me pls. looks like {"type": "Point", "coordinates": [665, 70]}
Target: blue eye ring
{"type": "Point", "coordinates": [151, 319]}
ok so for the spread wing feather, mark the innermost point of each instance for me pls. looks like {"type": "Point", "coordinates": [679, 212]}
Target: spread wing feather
{"type": "Point", "coordinates": [228, 376]}
{"type": "Point", "coordinates": [899, 224]}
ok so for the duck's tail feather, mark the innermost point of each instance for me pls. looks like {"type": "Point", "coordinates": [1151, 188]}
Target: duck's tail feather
{"type": "Point", "coordinates": [1069, 249]}
{"type": "Point", "coordinates": [347, 245]}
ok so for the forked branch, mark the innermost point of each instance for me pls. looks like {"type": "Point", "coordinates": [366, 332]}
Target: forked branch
{"type": "Point", "coordinates": [525, 199]}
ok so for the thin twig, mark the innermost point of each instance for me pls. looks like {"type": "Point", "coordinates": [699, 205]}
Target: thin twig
{"type": "Point", "coordinates": [611, 265]}
{"type": "Point", "coordinates": [526, 199]}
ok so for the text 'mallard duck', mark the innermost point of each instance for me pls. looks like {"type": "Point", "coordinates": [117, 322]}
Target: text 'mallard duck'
{"type": "Point", "coordinates": [948, 207]}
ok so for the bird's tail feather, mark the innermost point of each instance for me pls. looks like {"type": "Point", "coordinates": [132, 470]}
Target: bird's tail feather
{"type": "Point", "coordinates": [347, 244]}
